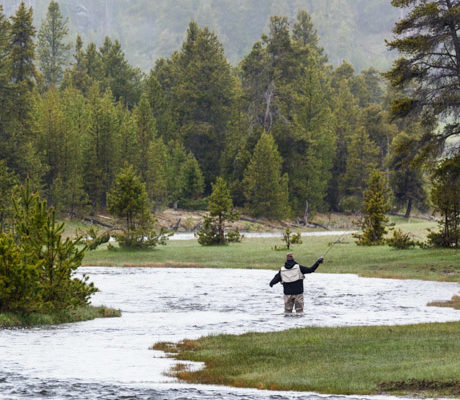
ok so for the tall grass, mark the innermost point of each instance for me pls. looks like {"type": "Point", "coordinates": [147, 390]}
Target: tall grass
{"type": "Point", "coordinates": [350, 360]}
{"type": "Point", "coordinates": [9, 320]}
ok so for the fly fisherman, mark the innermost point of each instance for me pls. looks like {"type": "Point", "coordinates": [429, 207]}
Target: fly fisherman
{"type": "Point", "coordinates": [291, 276]}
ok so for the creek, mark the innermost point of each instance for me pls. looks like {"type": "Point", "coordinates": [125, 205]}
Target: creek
{"type": "Point", "coordinates": [110, 358]}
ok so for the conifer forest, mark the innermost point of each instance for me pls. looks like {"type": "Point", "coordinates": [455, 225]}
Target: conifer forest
{"type": "Point", "coordinates": [282, 127]}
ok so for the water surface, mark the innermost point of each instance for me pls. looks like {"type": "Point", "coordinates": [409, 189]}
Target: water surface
{"type": "Point", "coordinates": [109, 358]}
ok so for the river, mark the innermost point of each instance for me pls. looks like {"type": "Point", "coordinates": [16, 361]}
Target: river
{"type": "Point", "coordinates": [110, 358]}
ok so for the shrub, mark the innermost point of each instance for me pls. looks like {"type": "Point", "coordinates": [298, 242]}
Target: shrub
{"type": "Point", "coordinates": [401, 240]}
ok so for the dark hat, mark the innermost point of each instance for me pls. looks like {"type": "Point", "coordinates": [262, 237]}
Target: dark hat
{"type": "Point", "coordinates": [289, 256]}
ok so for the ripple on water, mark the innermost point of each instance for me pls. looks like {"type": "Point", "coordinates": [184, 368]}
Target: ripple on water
{"type": "Point", "coordinates": [109, 358]}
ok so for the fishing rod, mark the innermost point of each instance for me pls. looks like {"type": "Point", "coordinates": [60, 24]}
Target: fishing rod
{"type": "Point", "coordinates": [334, 243]}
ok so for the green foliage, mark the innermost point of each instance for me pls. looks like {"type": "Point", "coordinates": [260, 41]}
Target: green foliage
{"type": "Point", "coordinates": [400, 240]}
{"type": "Point", "coordinates": [406, 177]}
{"type": "Point", "coordinates": [7, 183]}
{"type": "Point", "coordinates": [52, 49]}
{"type": "Point", "coordinates": [37, 265]}
{"type": "Point", "coordinates": [265, 189]}
{"type": "Point", "coordinates": [426, 75]}
{"type": "Point", "coordinates": [376, 203]}
{"type": "Point", "coordinates": [291, 238]}
{"type": "Point", "coordinates": [128, 201]}
{"type": "Point", "coordinates": [445, 196]}
{"type": "Point", "coordinates": [221, 211]}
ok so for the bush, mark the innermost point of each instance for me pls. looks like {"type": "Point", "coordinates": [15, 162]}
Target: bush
{"type": "Point", "coordinates": [234, 236]}
{"type": "Point", "coordinates": [401, 240]}
{"type": "Point", "coordinates": [37, 265]}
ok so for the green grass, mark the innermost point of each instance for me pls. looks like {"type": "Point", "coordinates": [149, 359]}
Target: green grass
{"type": "Point", "coordinates": [374, 261]}
{"type": "Point", "coordinates": [9, 320]}
{"type": "Point", "coordinates": [419, 359]}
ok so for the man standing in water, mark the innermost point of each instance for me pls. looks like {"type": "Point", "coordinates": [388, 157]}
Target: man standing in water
{"type": "Point", "coordinates": [291, 276]}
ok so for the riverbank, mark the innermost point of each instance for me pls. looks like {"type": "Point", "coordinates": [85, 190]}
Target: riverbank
{"type": "Point", "coordinates": [412, 359]}
{"type": "Point", "coordinates": [258, 253]}
{"type": "Point", "coordinates": [11, 320]}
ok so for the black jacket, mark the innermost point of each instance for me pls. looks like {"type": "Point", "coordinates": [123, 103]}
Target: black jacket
{"type": "Point", "coordinates": [297, 286]}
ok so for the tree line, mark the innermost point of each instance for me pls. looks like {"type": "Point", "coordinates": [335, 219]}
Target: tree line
{"type": "Point", "coordinates": [282, 128]}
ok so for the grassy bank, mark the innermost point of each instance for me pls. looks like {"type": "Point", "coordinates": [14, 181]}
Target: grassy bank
{"type": "Point", "coordinates": [420, 359]}
{"type": "Point", "coordinates": [347, 257]}
{"type": "Point", "coordinates": [9, 320]}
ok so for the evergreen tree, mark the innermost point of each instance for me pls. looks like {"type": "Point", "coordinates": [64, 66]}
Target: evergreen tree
{"type": "Point", "coordinates": [128, 200]}
{"type": "Point", "coordinates": [311, 160]}
{"type": "Point", "coordinates": [118, 75]}
{"type": "Point", "coordinates": [5, 95]}
{"type": "Point", "coordinates": [157, 173]}
{"type": "Point", "coordinates": [47, 263]}
{"type": "Point", "coordinates": [7, 183]}
{"type": "Point", "coordinates": [100, 155]}
{"type": "Point", "coordinates": [445, 196]}
{"type": "Point", "coordinates": [77, 76]}
{"type": "Point", "coordinates": [406, 177]}
{"type": "Point", "coordinates": [362, 159]}
{"type": "Point", "coordinates": [19, 149]}
{"type": "Point", "coordinates": [22, 51]}
{"type": "Point", "coordinates": [93, 63]}
{"type": "Point", "coordinates": [220, 211]}
{"type": "Point", "coordinates": [265, 189]}
{"type": "Point", "coordinates": [428, 73]}
{"type": "Point", "coordinates": [201, 92]}
{"type": "Point", "coordinates": [146, 132]}
{"type": "Point", "coordinates": [192, 178]}
{"type": "Point", "coordinates": [53, 52]}
{"type": "Point", "coordinates": [376, 202]}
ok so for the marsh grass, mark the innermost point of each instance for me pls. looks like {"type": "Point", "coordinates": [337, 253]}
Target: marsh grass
{"type": "Point", "coordinates": [411, 359]}
{"type": "Point", "coordinates": [9, 320]}
{"type": "Point", "coordinates": [258, 253]}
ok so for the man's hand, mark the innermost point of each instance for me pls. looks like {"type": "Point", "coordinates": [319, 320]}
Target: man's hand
{"type": "Point", "coordinates": [320, 260]}
{"type": "Point", "coordinates": [271, 284]}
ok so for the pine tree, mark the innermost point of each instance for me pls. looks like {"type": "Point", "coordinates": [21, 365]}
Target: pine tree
{"type": "Point", "coordinates": [220, 211]}
{"type": "Point", "coordinates": [146, 132]}
{"type": "Point", "coordinates": [311, 160]}
{"type": "Point", "coordinates": [128, 200]}
{"type": "Point", "coordinates": [100, 154]}
{"type": "Point", "coordinates": [7, 183]}
{"type": "Point", "coordinates": [445, 196]}
{"type": "Point", "coordinates": [406, 177]}
{"type": "Point", "coordinates": [362, 159]}
{"type": "Point", "coordinates": [53, 52]}
{"type": "Point", "coordinates": [376, 202]}
{"type": "Point", "coordinates": [201, 90]}
{"type": "Point", "coordinates": [118, 75]}
{"type": "Point", "coordinates": [77, 77]}
{"type": "Point", "coordinates": [20, 152]}
{"type": "Point", "coordinates": [265, 189]}
{"type": "Point", "coordinates": [5, 73]}
{"type": "Point", "coordinates": [192, 178]}
{"type": "Point", "coordinates": [428, 73]}
{"type": "Point", "coordinates": [22, 51]}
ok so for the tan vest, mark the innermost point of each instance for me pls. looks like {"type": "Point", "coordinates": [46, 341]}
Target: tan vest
{"type": "Point", "coordinates": [292, 274]}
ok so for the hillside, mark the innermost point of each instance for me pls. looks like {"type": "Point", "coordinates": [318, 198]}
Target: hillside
{"type": "Point", "coordinates": [353, 30]}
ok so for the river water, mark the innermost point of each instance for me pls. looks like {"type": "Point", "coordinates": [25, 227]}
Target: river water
{"type": "Point", "coordinates": [110, 358]}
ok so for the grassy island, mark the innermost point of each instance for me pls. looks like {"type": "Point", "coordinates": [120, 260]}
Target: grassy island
{"type": "Point", "coordinates": [84, 313]}
{"type": "Point", "coordinates": [414, 359]}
